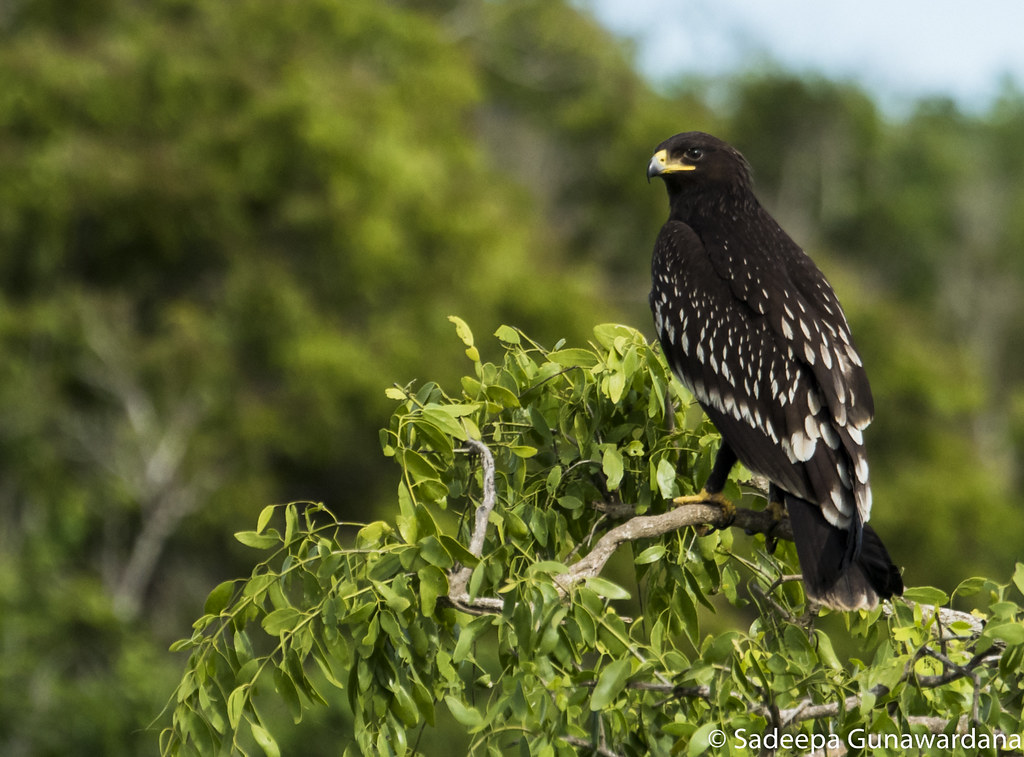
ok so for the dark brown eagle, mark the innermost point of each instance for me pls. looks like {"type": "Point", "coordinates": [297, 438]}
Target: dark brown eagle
{"type": "Point", "coordinates": [751, 326]}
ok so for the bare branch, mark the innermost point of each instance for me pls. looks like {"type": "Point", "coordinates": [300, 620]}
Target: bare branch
{"type": "Point", "coordinates": [483, 512]}
{"type": "Point", "coordinates": [459, 598]}
{"type": "Point", "coordinates": [616, 510]}
{"type": "Point", "coordinates": [937, 725]}
{"type": "Point", "coordinates": [458, 579]}
{"type": "Point", "coordinates": [587, 746]}
{"type": "Point", "coordinates": [674, 690]}
{"type": "Point", "coordinates": [946, 616]}
{"type": "Point", "coordinates": [805, 710]}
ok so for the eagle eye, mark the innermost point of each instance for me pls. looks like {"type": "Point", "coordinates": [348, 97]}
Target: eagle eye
{"type": "Point", "coordinates": [693, 154]}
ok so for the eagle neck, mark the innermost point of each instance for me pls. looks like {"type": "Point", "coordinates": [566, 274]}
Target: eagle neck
{"type": "Point", "coordinates": [699, 208]}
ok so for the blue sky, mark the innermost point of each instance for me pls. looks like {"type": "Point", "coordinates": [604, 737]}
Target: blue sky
{"type": "Point", "coordinates": [900, 50]}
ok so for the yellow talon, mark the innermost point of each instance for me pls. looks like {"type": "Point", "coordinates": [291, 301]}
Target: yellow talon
{"type": "Point", "coordinates": [704, 498]}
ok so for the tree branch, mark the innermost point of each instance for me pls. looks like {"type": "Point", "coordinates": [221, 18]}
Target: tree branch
{"type": "Point", "coordinates": [946, 616]}
{"type": "Point", "coordinates": [638, 527]}
{"type": "Point", "coordinates": [483, 512]}
{"type": "Point", "coordinates": [651, 526]}
{"type": "Point", "coordinates": [587, 746]}
{"type": "Point", "coordinates": [458, 579]}
{"type": "Point", "coordinates": [952, 671]}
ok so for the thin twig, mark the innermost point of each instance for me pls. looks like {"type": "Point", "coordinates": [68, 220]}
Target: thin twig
{"type": "Point", "coordinates": [483, 512]}
{"type": "Point", "coordinates": [601, 750]}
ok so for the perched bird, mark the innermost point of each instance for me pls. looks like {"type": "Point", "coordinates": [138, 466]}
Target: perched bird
{"type": "Point", "coordinates": [751, 326]}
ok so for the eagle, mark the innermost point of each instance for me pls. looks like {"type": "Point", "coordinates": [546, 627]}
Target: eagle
{"type": "Point", "coordinates": [750, 325]}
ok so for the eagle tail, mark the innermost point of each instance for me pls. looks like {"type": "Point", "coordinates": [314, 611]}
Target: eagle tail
{"type": "Point", "coordinates": [836, 573]}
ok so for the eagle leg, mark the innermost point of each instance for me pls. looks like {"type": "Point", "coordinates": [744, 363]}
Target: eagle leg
{"type": "Point", "coordinates": [712, 491]}
{"type": "Point", "coordinates": [777, 508]}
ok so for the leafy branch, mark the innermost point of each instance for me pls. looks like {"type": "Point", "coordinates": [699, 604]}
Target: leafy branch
{"type": "Point", "coordinates": [533, 581]}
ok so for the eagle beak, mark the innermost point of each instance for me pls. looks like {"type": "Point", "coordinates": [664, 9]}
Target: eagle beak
{"type": "Point", "coordinates": [660, 164]}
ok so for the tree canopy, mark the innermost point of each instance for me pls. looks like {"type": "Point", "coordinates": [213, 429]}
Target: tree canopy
{"type": "Point", "coordinates": [486, 602]}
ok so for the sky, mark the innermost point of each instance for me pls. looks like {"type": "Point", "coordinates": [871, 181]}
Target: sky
{"type": "Point", "coordinates": [900, 50]}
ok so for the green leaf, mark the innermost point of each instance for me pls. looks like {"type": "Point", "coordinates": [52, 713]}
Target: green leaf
{"type": "Point", "coordinates": [279, 621]}
{"type": "Point", "coordinates": [182, 644]}
{"type": "Point", "coordinates": [418, 467]}
{"type": "Point", "coordinates": [265, 515]}
{"type": "Point", "coordinates": [1012, 633]}
{"type": "Point", "coordinates": [257, 540]}
{"type": "Point", "coordinates": [291, 523]}
{"type": "Point", "coordinates": [666, 477]}
{"type": "Point", "coordinates": [606, 588]}
{"type": "Point", "coordinates": [236, 704]}
{"type": "Point", "coordinates": [258, 584]}
{"type": "Point", "coordinates": [444, 420]}
{"type": "Point", "coordinates": [466, 715]}
{"type": "Point", "coordinates": [468, 636]}
{"type": "Point", "coordinates": [608, 334]}
{"type": "Point", "coordinates": [462, 330]}
{"type": "Point", "coordinates": [825, 651]}
{"type": "Point", "coordinates": [458, 550]}
{"type": "Point", "coordinates": [700, 741]}
{"type": "Point", "coordinates": [501, 396]}
{"type": "Point", "coordinates": [616, 386]}
{"type": "Point", "coordinates": [507, 334]}
{"type": "Point", "coordinates": [287, 691]}
{"type": "Point", "coordinates": [372, 534]}
{"type": "Point", "coordinates": [547, 567]}
{"type": "Point", "coordinates": [610, 684]}
{"type": "Point", "coordinates": [570, 502]}
{"type": "Point", "coordinates": [926, 595]}
{"type": "Point", "coordinates": [403, 706]}
{"type": "Point", "coordinates": [464, 333]}
{"type": "Point", "coordinates": [611, 464]}
{"type": "Point", "coordinates": [218, 598]}
{"type": "Point", "coordinates": [523, 450]}
{"type": "Point", "coordinates": [394, 393]}
{"type": "Point", "coordinates": [243, 647]}
{"type": "Point", "coordinates": [433, 551]}
{"type": "Point", "coordinates": [1018, 577]}
{"type": "Point", "coordinates": [265, 740]}
{"type": "Point", "coordinates": [573, 357]}
{"type": "Point", "coordinates": [554, 478]}
{"type": "Point", "coordinates": [651, 554]}
{"type": "Point", "coordinates": [394, 600]}
{"type": "Point", "coordinates": [969, 586]}
{"type": "Point", "coordinates": [433, 584]}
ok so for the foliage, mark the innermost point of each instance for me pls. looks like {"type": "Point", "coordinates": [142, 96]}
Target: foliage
{"type": "Point", "coordinates": [620, 663]}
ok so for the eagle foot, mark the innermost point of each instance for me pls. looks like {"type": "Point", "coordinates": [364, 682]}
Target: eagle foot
{"type": "Point", "coordinates": [704, 497]}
